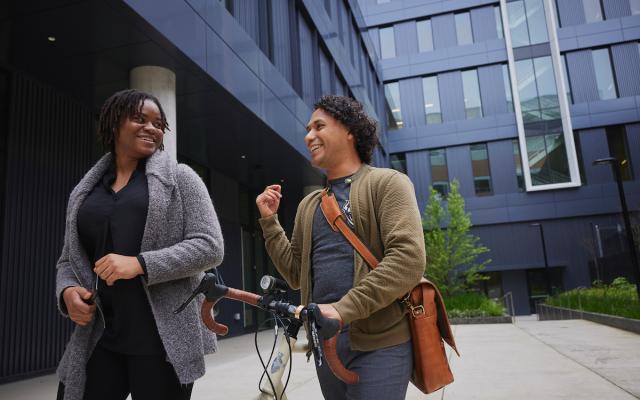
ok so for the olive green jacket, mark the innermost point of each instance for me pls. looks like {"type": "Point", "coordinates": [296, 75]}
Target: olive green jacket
{"type": "Point", "coordinates": [387, 220]}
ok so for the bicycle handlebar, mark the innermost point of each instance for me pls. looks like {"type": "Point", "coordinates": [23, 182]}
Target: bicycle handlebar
{"type": "Point", "coordinates": [325, 327]}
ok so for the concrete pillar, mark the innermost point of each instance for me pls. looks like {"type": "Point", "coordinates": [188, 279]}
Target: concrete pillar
{"type": "Point", "coordinates": [161, 83]}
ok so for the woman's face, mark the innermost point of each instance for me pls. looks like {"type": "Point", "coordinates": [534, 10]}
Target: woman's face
{"type": "Point", "coordinates": [140, 135]}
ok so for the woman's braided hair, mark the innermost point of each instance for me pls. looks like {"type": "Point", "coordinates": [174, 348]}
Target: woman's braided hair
{"type": "Point", "coordinates": [351, 114]}
{"type": "Point", "coordinates": [123, 104]}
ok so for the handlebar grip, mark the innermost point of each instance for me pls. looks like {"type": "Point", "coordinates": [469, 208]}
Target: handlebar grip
{"type": "Point", "coordinates": [327, 327]}
{"type": "Point", "coordinates": [335, 364]}
{"type": "Point", "coordinates": [209, 320]}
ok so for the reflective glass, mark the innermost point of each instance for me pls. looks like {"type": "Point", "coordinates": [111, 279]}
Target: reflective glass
{"type": "Point", "coordinates": [394, 114]}
{"type": "Point", "coordinates": [618, 148]}
{"type": "Point", "coordinates": [547, 90]}
{"type": "Point", "coordinates": [507, 87]}
{"type": "Point", "coordinates": [463, 28]}
{"type": "Point", "coordinates": [518, 24]}
{"type": "Point", "coordinates": [498, 18]}
{"type": "Point", "coordinates": [425, 36]}
{"type": "Point", "coordinates": [398, 162]}
{"type": "Point", "coordinates": [635, 7]}
{"type": "Point", "coordinates": [547, 157]}
{"type": "Point", "coordinates": [567, 85]}
{"type": "Point", "coordinates": [527, 90]}
{"type": "Point", "coordinates": [537, 21]}
{"type": "Point", "coordinates": [592, 10]}
{"type": "Point", "coordinates": [431, 100]}
{"type": "Point", "coordinates": [481, 169]}
{"type": "Point", "coordinates": [387, 43]}
{"type": "Point", "coordinates": [439, 171]}
{"type": "Point", "coordinates": [472, 102]}
{"type": "Point", "coordinates": [604, 74]}
{"type": "Point", "coordinates": [517, 160]}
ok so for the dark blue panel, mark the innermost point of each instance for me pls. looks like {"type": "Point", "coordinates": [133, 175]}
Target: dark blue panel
{"type": "Point", "coordinates": [419, 172]}
{"type": "Point", "coordinates": [444, 31]}
{"type": "Point", "coordinates": [633, 141]}
{"type": "Point", "coordinates": [483, 23]}
{"type": "Point", "coordinates": [492, 90]}
{"type": "Point", "coordinates": [616, 8]}
{"type": "Point", "coordinates": [451, 96]}
{"type": "Point", "coordinates": [571, 12]}
{"type": "Point", "coordinates": [247, 15]}
{"type": "Point", "coordinates": [583, 76]}
{"type": "Point", "coordinates": [516, 283]}
{"type": "Point", "coordinates": [281, 41]}
{"type": "Point", "coordinates": [626, 61]}
{"type": "Point", "coordinates": [503, 169]}
{"type": "Point", "coordinates": [459, 163]}
{"type": "Point", "coordinates": [593, 145]}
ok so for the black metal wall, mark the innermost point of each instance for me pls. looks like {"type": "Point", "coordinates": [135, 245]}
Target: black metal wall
{"type": "Point", "coordinates": [49, 147]}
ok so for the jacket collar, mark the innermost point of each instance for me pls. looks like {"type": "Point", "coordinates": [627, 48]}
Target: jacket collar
{"type": "Point", "coordinates": [159, 165]}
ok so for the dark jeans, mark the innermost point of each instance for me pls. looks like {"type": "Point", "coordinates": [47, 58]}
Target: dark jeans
{"type": "Point", "coordinates": [384, 374]}
{"type": "Point", "coordinates": [112, 376]}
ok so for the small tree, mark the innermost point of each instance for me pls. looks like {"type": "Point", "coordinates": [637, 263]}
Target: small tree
{"type": "Point", "coordinates": [452, 252]}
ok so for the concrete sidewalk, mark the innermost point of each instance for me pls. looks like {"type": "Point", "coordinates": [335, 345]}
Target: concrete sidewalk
{"type": "Point", "coordinates": [529, 360]}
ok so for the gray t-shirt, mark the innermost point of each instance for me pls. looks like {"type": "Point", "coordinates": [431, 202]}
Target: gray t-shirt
{"type": "Point", "coordinates": [331, 253]}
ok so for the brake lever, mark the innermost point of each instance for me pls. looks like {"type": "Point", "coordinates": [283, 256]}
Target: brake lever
{"type": "Point", "coordinates": [208, 287]}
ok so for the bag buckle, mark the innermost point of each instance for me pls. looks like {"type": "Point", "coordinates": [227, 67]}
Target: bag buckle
{"type": "Point", "coordinates": [416, 311]}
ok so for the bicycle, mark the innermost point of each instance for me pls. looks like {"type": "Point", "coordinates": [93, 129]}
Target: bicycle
{"type": "Point", "coordinates": [291, 317]}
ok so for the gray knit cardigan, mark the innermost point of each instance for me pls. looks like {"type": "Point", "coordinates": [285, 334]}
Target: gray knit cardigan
{"type": "Point", "coordinates": [181, 239]}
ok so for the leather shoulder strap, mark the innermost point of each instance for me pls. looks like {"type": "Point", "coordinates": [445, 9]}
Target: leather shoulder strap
{"type": "Point", "coordinates": [332, 213]}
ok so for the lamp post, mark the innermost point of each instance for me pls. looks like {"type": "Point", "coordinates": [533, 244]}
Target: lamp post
{"type": "Point", "coordinates": [625, 215]}
{"type": "Point", "coordinates": [546, 260]}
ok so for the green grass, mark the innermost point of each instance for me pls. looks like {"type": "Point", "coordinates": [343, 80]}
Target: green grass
{"type": "Point", "coordinates": [472, 305]}
{"type": "Point", "coordinates": [620, 298]}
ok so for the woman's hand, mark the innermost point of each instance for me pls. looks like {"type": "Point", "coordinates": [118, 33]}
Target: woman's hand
{"type": "Point", "coordinates": [80, 312]}
{"type": "Point", "coordinates": [269, 200]}
{"type": "Point", "coordinates": [112, 267]}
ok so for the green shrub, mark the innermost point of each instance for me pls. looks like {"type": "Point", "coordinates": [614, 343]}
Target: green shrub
{"type": "Point", "coordinates": [619, 298]}
{"type": "Point", "coordinates": [468, 305]}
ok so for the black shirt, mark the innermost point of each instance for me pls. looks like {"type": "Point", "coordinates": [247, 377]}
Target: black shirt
{"type": "Point", "coordinates": [331, 254]}
{"type": "Point", "coordinates": [110, 222]}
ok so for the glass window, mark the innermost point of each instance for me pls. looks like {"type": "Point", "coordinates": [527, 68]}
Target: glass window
{"type": "Point", "coordinates": [547, 89]}
{"type": "Point", "coordinates": [498, 18]}
{"type": "Point", "coordinates": [387, 43]}
{"type": "Point", "coordinates": [325, 73]}
{"type": "Point", "coordinates": [481, 169]}
{"type": "Point", "coordinates": [471, 89]}
{"type": "Point", "coordinates": [518, 24]}
{"type": "Point", "coordinates": [463, 28]}
{"type": "Point", "coordinates": [567, 86]}
{"type": "Point", "coordinates": [635, 7]}
{"type": "Point", "coordinates": [604, 74]}
{"type": "Point", "coordinates": [592, 10]}
{"type": "Point", "coordinates": [507, 87]}
{"type": "Point", "coordinates": [431, 100]}
{"type": "Point", "coordinates": [537, 21]}
{"type": "Point", "coordinates": [527, 22]}
{"type": "Point", "coordinates": [537, 89]}
{"type": "Point", "coordinates": [518, 162]}
{"type": "Point", "coordinates": [618, 148]}
{"type": "Point", "coordinates": [398, 162]}
{"type": "Point", "coordinates": [548, 159]}
{"type": "Point", "coordinates": [439, 171]}
{"type": "Point", "coordinates": [394, 115]}
{"type": "Point", "coordinates": [425, 36]}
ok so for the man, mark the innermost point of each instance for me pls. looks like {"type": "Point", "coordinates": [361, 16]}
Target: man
{"type": "Point", "coordinates": [380, 206]}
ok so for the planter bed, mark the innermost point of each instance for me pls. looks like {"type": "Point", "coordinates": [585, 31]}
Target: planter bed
{"type": "Point", "coordinates": [550, 313]}
{"type": "Point", "coordinates": [505, 319]}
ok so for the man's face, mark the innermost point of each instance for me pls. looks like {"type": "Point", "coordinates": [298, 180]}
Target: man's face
{"type": "Point", "coordinates": [327, 140]}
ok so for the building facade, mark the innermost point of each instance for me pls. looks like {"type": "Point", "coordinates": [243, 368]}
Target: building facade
{"type": "Point", "coordinates": [239, 76]}
{"type": "Point", "coordinates": [515, 100]}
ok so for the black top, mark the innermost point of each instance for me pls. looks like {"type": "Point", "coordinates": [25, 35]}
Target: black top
{"type": "Point", "coordinates": [110, 222]}
{"type": "Point", "coordinates": [332, 255]}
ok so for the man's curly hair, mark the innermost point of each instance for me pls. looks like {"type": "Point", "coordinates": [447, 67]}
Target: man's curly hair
{"type": "Point", "coordinates": [351, 114]}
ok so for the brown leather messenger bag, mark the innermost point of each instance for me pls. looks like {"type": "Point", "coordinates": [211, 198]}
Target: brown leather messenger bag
{"type": "Point", "coordinates": [425, 309]}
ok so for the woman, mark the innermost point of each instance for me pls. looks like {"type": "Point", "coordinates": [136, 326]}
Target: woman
{"type": "Point", "coordinates": [140, 229]}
